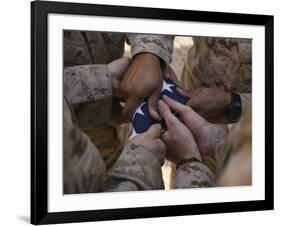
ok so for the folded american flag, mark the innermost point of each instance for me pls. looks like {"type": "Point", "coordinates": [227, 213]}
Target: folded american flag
{"type": "Point", "coordinates": [141, 120]}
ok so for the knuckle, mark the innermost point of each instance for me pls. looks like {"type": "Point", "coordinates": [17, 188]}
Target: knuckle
{"type": "Point", "coordinates": [124, 87]}
{"type": "Point", "coordinates": [160, 144]}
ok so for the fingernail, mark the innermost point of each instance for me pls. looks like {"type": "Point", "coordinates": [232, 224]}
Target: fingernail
{"type": "Point", "coordinates": [165, 97]}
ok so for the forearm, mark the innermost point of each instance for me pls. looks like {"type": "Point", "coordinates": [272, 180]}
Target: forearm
{"type": "Point", "coordinates": [159, 45]}
{"type": "Point", "coordinates": [193, 174]}
{"type": "Point", "coordinates": [136, 169]}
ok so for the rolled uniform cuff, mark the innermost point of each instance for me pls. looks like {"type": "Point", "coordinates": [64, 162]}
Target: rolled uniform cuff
{"type": "Point", "coordinates": [193, 174]}
{"type": "Point", "coordinates": [88, 89]}
{"type": "Point", "coordinates": [160, 45]}
{"type": "Point", "coordinates": [136, 169]}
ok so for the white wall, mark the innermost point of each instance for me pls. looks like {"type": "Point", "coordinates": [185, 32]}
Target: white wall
{"type": "Point", "coordinates": [15, 113]}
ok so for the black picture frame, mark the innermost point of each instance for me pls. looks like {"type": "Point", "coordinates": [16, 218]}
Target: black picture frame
{"type": "Point", "coordinates": [39, 112]}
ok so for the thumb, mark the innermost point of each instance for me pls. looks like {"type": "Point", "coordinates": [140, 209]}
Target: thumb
{"type": "Point", "coordinates": [131, 105]}
{"type": "Point", "coordinates": [169, 73]}
{"type": "Point", "coordinates": [154, 131]}
{"type": "Point", "coordinates": [188, 93]}
{"type": "Point", "coordinates": [193, 120]}
{"type": "Point", "coordinates": [190, 118]}
{"type": "Point", "coordinates": [117, 68]}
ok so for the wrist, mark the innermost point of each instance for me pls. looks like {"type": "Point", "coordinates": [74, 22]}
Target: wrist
{"type": "Point", "coordinates": [148, 57]}
{"type": "Point", "coordinates": [190, 153]}
{"type": "Point", "coordinates": [190, 160]}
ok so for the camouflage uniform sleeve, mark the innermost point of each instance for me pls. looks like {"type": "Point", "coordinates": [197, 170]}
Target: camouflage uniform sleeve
{"type": "Point", "coordinates": [88, 89]}
{"type": "Point", "coordinates": [136, 169]}
{"type": "Point", "coordinates": [83, 168]}
{"type": "Point", "coordinates": [160, 45]}
{"type": "Point", "coordinates": [193, 174]}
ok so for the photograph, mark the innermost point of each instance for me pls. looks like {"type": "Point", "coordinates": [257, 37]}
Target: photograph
{"type": "Point", "coordinates": [153, 112]}
{"type": "Point", "coordinates": [146, 112]}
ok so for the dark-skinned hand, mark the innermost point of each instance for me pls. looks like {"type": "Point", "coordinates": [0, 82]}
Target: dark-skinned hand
{"type": "Point", "coordinates": [211, 103]}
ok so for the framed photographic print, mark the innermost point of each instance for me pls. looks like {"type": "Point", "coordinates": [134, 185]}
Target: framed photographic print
{"type": "Point", "coordinates": [145, 112]}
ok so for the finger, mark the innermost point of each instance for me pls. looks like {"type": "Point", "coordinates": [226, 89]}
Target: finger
{"type": "Point", "coordinates": [161, 145]}
{"type": "Point", "coordinates": [164, 136]}
{"type": "Point", "coordinates": [166, 113]}
{"type": "Point", "coordinates": [190, 118]}
{"type": "Point", "coordinates": [188, 93]}
{"type": "Point", "coordinates": [169, 73]}
{"type": "Point", "coordinates": [185, 93]}
{"type": "Point", "coordinates": [116, 91]}
{"type": "Point", "coordinates": [174, 105]}
{"type": "Point", "coordinates": [117, 117]}
{"type": "Point", "coordinates": [154, 131]}
{"type": "Point", "coordinates": [194, 103]}
{"type": "Point", "coordinates": [153, 104]}
{"type": "Point", "coordinates": [117, 68]}
{"type": "Point", "coordinates": [131, 105]}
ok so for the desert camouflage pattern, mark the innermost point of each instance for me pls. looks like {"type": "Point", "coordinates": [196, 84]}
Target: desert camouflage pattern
{"type": "Point", "coordinates": [225, 63]}
{"type": "Point", "coordinates": [88, 89]}
{"type": "Point", "coordinates": [136, 169]}
{"type": "Point", "coordinates": [160, 45]}
{"type": "Point", "coordinates": [234, 155]}
{"type": "Point", "coordinates": [193, 174]}
{"type": "Point", "coordinates": [85, 48]}
{"type": "Point", "coordinates": [83, 167]}
{"type": "Point", "coordinates": [233, 159]}
{"type": "Point", "coordinates": [91, 47]}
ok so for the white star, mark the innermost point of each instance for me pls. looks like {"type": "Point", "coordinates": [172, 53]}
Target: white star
{"type": "Point", "coordinates": [139, 110]}
{"type": "Point", "coordinates": [134, 133]}
{"type": "Point", "coordinates": [167, 86]}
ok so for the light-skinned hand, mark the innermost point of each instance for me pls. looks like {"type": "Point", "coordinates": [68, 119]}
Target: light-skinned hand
{"type": "Point", "coordinates": [151, 141]}
{"type": "Point", "coordinates": [177, 137]}
{"type": "Point", "coordinates": [207, 135]}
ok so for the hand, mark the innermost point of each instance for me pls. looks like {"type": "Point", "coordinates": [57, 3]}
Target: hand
{"type": "Point", "coordinates": [116, 115]}
{"type": "Point", "coordinates": [169, 73]}
{"type": "Point", "coordinates": [117, 69]}
{"type": "Point", "coordinates": [211, 103]}
{"type": "Point", "coordinates": [207, 135]}
{"type": "Point", "coordinates": [151, 141]}
{"type": "Point", "coordinates": [178, 138]}
{"type": "Point", "coordinates": [143, 80]}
